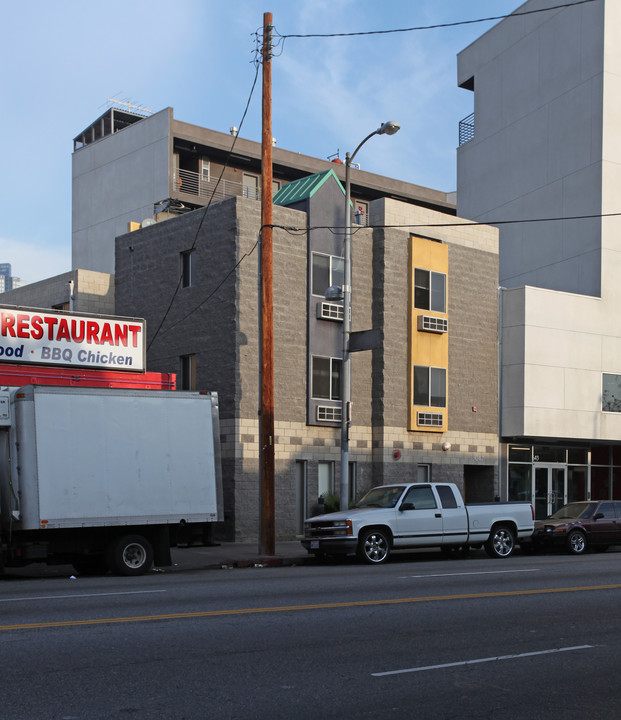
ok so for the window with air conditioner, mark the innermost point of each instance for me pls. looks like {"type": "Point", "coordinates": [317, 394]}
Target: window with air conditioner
{"type": "Point", "coordinates": [429, 386]}
{"type": "Point", "coordinates": [326, 378]}
{"type": "Point", "coordinates": [429, 290]}
{"type": "Point", "coordinates": [327, 270]}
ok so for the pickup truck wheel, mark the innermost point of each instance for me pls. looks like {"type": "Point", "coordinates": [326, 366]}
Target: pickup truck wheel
{"type": "Point", "coordinates": [576, 542]}
{"type": "Point", "coordinates": [130, 555]}
{"type": "Point", "coordinates": [501, 542]}
{"type": "Point", "coordinates": [374, 547]}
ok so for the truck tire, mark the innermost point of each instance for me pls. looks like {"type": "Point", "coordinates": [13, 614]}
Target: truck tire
{"type": "Point", "coordinates": [374, 546]}
{"type": "Point", "coordinates": [130, 555]}
{"type": "Point", "coordinates": [501, 542]}
{"type": "Point", "coordinates": [576, 542]}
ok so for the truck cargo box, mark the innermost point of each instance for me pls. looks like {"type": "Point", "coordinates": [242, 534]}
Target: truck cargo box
{"type": "Point", "coordinates": [105, 457]}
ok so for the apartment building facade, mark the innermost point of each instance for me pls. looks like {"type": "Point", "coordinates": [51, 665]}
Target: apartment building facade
{"type": "Point", "coordinates": [424, 401]}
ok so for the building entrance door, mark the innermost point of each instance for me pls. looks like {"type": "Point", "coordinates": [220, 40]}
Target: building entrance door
{"type": "Point", "coordinates": [549, 489]}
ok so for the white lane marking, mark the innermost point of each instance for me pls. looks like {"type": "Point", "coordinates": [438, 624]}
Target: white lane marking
{"type": "Point", "coordinates": [84, 595]}
{"type": "Point", "coordinates": [482, 572]}
{"type": "Point", "coordinates": [482, 660]}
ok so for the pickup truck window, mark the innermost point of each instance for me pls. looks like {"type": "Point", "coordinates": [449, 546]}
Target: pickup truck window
{"type": "Point", "coordinates": [421, 497]}
{"type": "Point", "coordinates": [447, 497]}
{"type": "Point", "coordinates": [385, 497]}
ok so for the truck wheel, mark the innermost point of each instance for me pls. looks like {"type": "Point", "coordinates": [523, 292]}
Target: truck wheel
{"type": "Point", "coordinates": [130, 555]}
{"type": "Point", "coordinates": [501, 542]}
{"type": "Point", "coordinates": [374, 547]}
{"type": "Point", "coordinates": [576, 542]}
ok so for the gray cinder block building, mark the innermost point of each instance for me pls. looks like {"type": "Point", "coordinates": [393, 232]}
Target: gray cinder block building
{"type": "Point", "coordinates": [424, 402]}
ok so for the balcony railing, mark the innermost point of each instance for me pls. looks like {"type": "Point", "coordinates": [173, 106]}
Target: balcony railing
{"type": "Point", "coordinates": [193, 183]}
{"type": "Point", "coordinates": [466, 129]}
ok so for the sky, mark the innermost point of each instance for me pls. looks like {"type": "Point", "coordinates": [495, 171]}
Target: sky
{"type": "Point", "coordinates": [62, 61]}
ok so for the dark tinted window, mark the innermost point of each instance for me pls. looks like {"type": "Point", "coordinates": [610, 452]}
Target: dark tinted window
{"type": "Point", "coordinates": [447, 497]}
{"type": "Point", "coordinates": [607, 509]}
{"type": "Point", "coordinates": [421, 497]}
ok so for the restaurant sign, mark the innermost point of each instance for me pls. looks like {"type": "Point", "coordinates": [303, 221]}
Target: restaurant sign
{"type": "Point", "coordinates": [51, 338]}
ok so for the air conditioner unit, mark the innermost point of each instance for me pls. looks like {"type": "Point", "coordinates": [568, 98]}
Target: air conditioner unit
{"type": "Point", "coordinates": [429, 419]}
{"type": "Point", "coordinates": [329, 311]}
{"type": "Point", "coordinates": [429, 323]}
{"type": "Point", "coordinates": [329, 413]}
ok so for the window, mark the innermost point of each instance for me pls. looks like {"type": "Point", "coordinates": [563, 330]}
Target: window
{"type": "Point", "coordinates": [187, 268]}
{"type": "Point", "coordinates": [326, 378]}
{"type": "Point", "coordinates": [361, 210]}
{"type": "Point", "coordinates": [301, 509]}
{"type": "Point", "coordinates": [423, 473]}
{"type": "Point", "coordinates": [429, 386]}
{"type": "Point", "coordinates": [251, 186]}
{"type": "Point", "coordinates": [205, 171]}
{"type": "Point", "coordinates": [327, 270]}
{"type": "Point", "coordinates": [325, 473]}
{"type": "Point", "coordinates": [611, 393]}
{"type": "Point", "coordinates": [188, 372]}
{"type": "Point", "coordinates": [276, 186]}
{"type": "Point", "coordinates": [447, 497]}
{"type": "Point", "coordinates": [421, 497]}
{"type": "Point", "coordinates": [353, 481]}
{"type": "Point", "coordinates": [429, 290]}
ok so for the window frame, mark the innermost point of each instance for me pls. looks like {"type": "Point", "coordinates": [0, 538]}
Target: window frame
{"type": "Point", "coordinates": [430, 290]}
{"type": "Point", "coordinates": [187, 371]}
{"type": "Point", "coordinates": [613, 403]}
{"type": "Point", "coordinates": [333, 396]}
{"type": "Point", "coordinates": [188, 262]}
{"type": "Point", "coordinates": [430, 384]}
{"type": "Point", "coordinates": [333, 272]}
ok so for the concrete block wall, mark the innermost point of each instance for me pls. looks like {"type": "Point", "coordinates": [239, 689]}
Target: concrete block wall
{"type": "Point", "coordinates": [93, 292]}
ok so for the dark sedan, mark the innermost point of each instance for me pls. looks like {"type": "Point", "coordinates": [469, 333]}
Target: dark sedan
{"type": "Point", "coordinates": [581, 525]}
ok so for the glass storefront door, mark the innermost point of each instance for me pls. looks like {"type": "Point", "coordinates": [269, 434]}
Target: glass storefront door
{"type": "Point", "coordinates": [549, 489]}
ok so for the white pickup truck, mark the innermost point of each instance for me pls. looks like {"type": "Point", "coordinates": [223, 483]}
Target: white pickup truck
{"type": "Point", "coordinates": [418, 515]}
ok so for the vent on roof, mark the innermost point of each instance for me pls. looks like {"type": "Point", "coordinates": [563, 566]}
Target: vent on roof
{"type": "Point", "coordinates": [428, 323]}
{"type": "Point", "coordinates": [329, 311]}
{"type": "Point", "coordinates": [428, 419]}
{"type": "Point", "coordinates": [326, 413]}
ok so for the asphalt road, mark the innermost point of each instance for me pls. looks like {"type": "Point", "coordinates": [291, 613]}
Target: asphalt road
{"type": "Point", "coordinates": [526, 637]}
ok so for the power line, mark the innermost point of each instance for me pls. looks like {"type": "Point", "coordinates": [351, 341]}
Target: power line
{"type": "Point", "coordinates": [206, 208]}
{"type": "Point", "coordinates": [432, 27]}
{"type": "Point", "coordinates": [301, 231]}
{"type": "Point", "coordinates": [293, 230]}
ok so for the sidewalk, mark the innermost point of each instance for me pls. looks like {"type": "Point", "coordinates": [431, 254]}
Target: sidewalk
{"type": "Point", "coordinates": [236, 555]}
{"type": "Point", "coordinates": [226, 555]}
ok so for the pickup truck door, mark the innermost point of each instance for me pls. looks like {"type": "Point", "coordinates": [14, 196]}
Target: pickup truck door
{"type": "Point", "coordinates": [422, 524]}
{"type": "Point", "coordinates": [454, 516]}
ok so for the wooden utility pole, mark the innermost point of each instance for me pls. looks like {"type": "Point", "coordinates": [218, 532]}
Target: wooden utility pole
{"type": "Point", "coordinates": [266, 412]}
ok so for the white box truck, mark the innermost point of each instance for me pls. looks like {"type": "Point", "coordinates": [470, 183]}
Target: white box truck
{"type": "Point", "coordinates": [106, 479]}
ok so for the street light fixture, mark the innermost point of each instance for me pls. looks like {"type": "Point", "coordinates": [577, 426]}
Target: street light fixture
{"type": "Point", "coordinates": [387, 128]}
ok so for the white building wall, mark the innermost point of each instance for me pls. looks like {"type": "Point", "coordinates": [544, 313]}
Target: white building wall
{"type": "Point", "coordinates": [537, 149]}
{"type": "Point", "coordinates": [547, 90]}
{"type": "Point", "coordinates": [128, 171]}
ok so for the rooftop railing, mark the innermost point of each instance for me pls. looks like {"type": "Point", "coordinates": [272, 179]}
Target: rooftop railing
{"type": "Point", "coordinates": [466, 129]}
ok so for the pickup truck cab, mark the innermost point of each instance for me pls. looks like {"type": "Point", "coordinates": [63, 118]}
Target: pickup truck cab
{"type": "Point", "coordinates": [417, 515]}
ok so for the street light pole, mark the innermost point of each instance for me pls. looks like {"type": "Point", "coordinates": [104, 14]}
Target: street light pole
{"type": "Point", "coordinates": [387, 128]}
